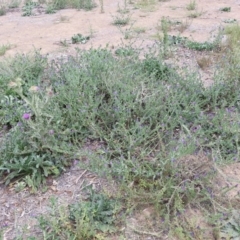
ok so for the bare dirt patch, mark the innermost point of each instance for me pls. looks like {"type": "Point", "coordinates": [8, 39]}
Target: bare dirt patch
{"type": "Point", "coordinates": [44, 30]}
{"type": "Point", "coordinates": [20, 210]}
{"type": "Point", "coordinates": [229, 179]}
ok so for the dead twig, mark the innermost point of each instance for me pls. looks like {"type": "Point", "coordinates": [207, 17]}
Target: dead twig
{"type": "Point", "coordinates": [146, 233]}
{"type": "Point", "coordinates": [80, 176]}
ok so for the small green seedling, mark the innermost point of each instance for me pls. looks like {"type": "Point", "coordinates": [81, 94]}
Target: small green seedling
{"type": "Point", "coordinates": [230, 20]}
{"type": "Point", "coordinates": [121, 20]}
{"type": "Point", "coordinates": [4, 48]}
{"type": "Point", "coordinates": [79, 38]}
{"type": "Point", "coordinates": [191, 5]}
{"type": "Point", "coordinates": [124, 51]}
{"type": "Point", "coordinates": [64, 43]}
{"type": "Point", "coordinates": [225, 9]}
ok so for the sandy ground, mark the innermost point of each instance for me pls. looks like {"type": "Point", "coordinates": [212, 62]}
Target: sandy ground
{"type": "Point", "coordinates": [45, 31]}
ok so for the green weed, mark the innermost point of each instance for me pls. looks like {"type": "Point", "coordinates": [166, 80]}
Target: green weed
{"type": "Point", "coordinates": [128, 33]}
{"type": "Point", "coordinates": [191, 5]}
{"type": "Point", "coordinates": [182, 26]}
{"type": "Point", "coordinates": [124, 51]}
{"type": "Point", "coordinates": [50, 9]}
{"type": "Point", "coordinates": [230, 20]}
{"type": "Point", "coordinates": [231, 227]}
{"type": "Point", "coordinates": [3, 10]}
{"type": "Point", "coordinates": [165, 27]}
{"type": "Point", "coordinates": [225, 9]}
{"type": "Point", "coordinates": [98, 211]}
{"type": "Point", "coordinates": [28, 8]}
{"type": "Point", "coordinates": [79, 4]}
{"type": "Point", "coordinates": [205, 46]}
{"type": "Point", "coordinates": [64, 43]}
{"type": "Point", "coordinates": [233, 32]}
{"type": "Point", "coordinates": [94, 217]}
{"type": "Point", "coordinates": [79, 38]}
{"type": "Point", "coordinates": [146, 5]}
{"type": "Point", "coordinates": [85, 4]}
{"type": "Point", "coordinates": [121, 19]}
{"type": "Point", "coordinates": [4, 48]}
{"type": "Point", "coordinates": [232, 51]}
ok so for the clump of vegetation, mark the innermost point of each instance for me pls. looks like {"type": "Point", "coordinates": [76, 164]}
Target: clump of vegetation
{"type": "Point", "coordinates": [146, 5]}
{"type": "Point", "coordinates": [86, 4]}
{"type": "Point", "coordinates": [54, 5]}
{"type": "Point", "coordinates": [4, 48]}
{"type": "Point", "coordinates": [50, 9]}
{"type": "Point", "coordinates": [124, 51]}
{"type": "Point", "coordinates": [225, 9]}
{"type": "Point", "coordinates": [64, 43]}
{"type": "Point", "coordinates": [233, 32]}
{"type": "Point", "coordinates": [205, 46]}
{"type": "Point", "coordinates": [99, 211]}
{"type": "Point", "coordinates": [182, 25]}
{"type": "Point", "coordinates": [191, 5]}
{"type": "Point", "coordinates": [3, 10]}
{"type": "Point", "coordinates": [79, 38]}
{"type": "Point", "coordinates": [169, 25]}
{"type": "Point", "coordinates": [232, 50]}
{"type": "Point", "coordinates": [230, 20]}
{"type": "Point", "coordinates": [163, 132]}
{"type": "Point", "coordinates": [88, 219]}
{"type": "Point", "coordinates": [81, 4]}
{"type": "Point", "coordinates": [28, 8]}
{"type": "Point", "coordinates": [199, 46]}
{"type": "Point", "coordinates": [121, 19]}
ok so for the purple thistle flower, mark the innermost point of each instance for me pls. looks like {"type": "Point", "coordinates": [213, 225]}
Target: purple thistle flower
{"type": "Point", "coordinates": [26, 116]}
